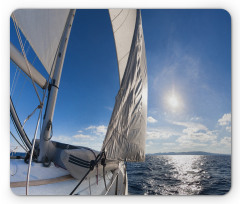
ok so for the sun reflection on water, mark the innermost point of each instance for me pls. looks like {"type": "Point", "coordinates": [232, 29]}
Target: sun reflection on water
{"type": "Point", "coordinates": [180, 175]}
{"type": "Point", "coordinates": [187, 170]}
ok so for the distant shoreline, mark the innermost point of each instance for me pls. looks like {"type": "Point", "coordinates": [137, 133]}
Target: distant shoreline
{"type": "Point", "coordinates": [189, 153]}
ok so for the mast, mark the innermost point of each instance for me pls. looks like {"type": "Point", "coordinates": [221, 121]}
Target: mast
{"type": "Point", "coordinates": [47, 122]}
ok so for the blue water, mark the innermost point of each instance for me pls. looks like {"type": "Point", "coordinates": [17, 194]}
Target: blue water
{"type": "Point", "coordinates": [180, 175]}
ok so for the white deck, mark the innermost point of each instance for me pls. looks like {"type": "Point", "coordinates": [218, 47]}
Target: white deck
{"type": "Point", "coordinates": [18, 173]}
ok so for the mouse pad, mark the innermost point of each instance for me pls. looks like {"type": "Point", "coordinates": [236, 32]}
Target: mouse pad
{"type": "Point", "coordinates": [120, 102]}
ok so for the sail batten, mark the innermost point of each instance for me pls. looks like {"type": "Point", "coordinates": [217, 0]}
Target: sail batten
{"type": "Point", "coordinates": [43, 29]}
{"type": "Point", "coordinates": [125, 137]}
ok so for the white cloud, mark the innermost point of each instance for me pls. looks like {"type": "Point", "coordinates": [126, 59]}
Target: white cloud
{"type": "Point", "coordinates": [229, 128]}
{"type": "Point", "coordinates": [80, 140]}
{"type": "Point", "coordinates": [226, 141]}
{"type": "Point", "coordinates": [225, 120]}
{"type": "Point", "coordinates": [109, 108]}
{"type": "Point", "coordinates": [169, 144]}
{"type": "Point", "coordinates": [150, 143]}
{"type": "Point", "coordinates": [63, 139]}
{"type": "Point", "coordinates": [195, 119]}
{"type": "Point", "coordinates": [191, 126]}
{"type": "Point", "coordinates": [151, 120]}
{"type": "Point", "coordinates": [98, 130]}
{"type": "Point", "coordinates": [195, 134]}
{"type": "Point", "coordinates": [160, 133]}
{"type": "Point", "coordinates": [83, 136]}
{"type": "Point", "coordinates": [91, 137]}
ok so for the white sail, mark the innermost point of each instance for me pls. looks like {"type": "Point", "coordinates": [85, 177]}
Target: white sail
{"type": "Point", "coordinates": [123, 24]}
{"type": "Point", "coordinates": [43, 29]}
{"type": "Point", "coordinates": [125, 138]}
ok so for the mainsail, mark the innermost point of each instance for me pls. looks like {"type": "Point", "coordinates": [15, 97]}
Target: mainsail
{"type": "Point", "coordinates": [125, 138]}
{"type": "Point", "coordinates": [43, 29]}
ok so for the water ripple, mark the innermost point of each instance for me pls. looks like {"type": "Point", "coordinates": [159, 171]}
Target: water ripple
{"type": "Point", "coordinates": [180, 175]}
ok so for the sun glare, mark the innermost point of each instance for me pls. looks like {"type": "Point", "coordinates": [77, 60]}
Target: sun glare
{"type": "Point", "coordinates": [173, 101]}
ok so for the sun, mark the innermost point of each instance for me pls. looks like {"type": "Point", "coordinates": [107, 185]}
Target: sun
{"type": "Point", "coordinates": [173, 101]}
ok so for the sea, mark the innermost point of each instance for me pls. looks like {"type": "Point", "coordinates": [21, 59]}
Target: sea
{"type": "Point", "coordinates": [180, 175]}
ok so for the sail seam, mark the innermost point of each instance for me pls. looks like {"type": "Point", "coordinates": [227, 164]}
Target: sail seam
{"type": "Point", "coordinates": [117, 15]}
{"type": "Point", "coordinates": [122, 23]}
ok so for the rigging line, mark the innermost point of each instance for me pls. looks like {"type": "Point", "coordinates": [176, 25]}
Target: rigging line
{"type": "Point", "coordinates": [90, 186]}
{"type": "Point", "coordinates": [19, 121]}
{"type": "Point", "coordinates": [13, 150]}
{"type": "Point", "coordinates": [29, 116]}
{"type": "Point", "coordinates": [104, 177]}
{"type": "Point", "coordinates": [35, 134]}
{"type": "Point", "coordinates": [38, 107]}
{"type": "Point", "coordinates": [111, 184]}
{"type": "Point", "coordinates": [15, 83]}
{"type": "Point", "coordinates": [32, 150]}
{"type": "Point", "coordinates": [18, 141]}
{"type": "Point", "coordinates": [93, 163]}
{"type": "Point", "coordinates": [24, 54]}
{"type": "Point", "coordinates": [20, 93]}
{"type": "Point", "coordinates": [21, 72]}
{"type": "Point", "coordinates": [13, 80]}
{"type": "Point", "coordinates": [18, 132]}
{"type": "Point", "coordinates": [34, 139]}
{"type": "Point", "coordinates": [80, 182]}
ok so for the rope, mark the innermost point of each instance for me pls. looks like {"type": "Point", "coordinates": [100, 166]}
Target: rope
{"type": "Point", "coordinates": [38, 107]}
{"type": "Point", "coordinates": [20, 92]}
{"type": "Point", "coordinates": [39, 117]}
{"type": "Point", "coordinates": [111, 184]}
{"type": "Point", "coordinates": [24, 54]}
{"type": "Point", "coordinates": [13, 81]}
{"type": "Point", "coordinates": [104, 179]}
{"type": "Point", "coordinates": [90, 186]}
{"type": "Point", "coordinates": [80, 182]}
{"type": "Point", "coordinates": [93, 163]}
{"type": "Point", "coordinates": [18, 132]}
{"type": "Point", "coordinates": [34, 139]}
{"type": "Point", "coordinates": [32, 150]}
{"type": "Point", "coordinates": [18, 141]}
{"type": "Point", "coordinates": [17, 77]}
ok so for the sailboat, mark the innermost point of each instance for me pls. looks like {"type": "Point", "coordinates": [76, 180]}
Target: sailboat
{"type": "Point", "coordinates": [53, 168]}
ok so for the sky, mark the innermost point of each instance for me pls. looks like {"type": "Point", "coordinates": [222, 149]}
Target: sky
{"type": "Point", "coordinates": [189, 81]}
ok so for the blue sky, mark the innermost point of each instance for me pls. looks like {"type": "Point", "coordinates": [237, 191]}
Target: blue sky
{"type": "Point", "coordinates": [189, 80]}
